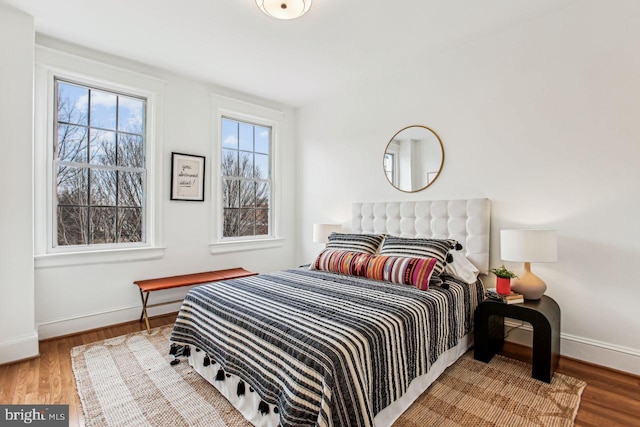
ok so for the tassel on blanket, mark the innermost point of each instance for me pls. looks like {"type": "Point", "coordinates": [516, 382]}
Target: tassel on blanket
{"type": "Point", "coordinates": [263, 408]}
{"type": "Point", "coordinates": [206, 361]}
{"type": "Point", "coordinates": [176, 351]}
{"type": "Point", "coordinates": [180, 351]}
{"type": "Point", "coordinates": [241, 388]}
{"type": "Point", "coordinates": [449, 258]}
{"type": "Point", "coordinates": [197, 350]}
{"type": "Point", "coordinates": [220, 375]}
{"type": "Point", "coordinates": [458, 246]}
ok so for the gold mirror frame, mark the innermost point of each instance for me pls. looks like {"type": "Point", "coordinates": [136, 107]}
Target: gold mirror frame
{"type": "Point", "coordinates": [392, 172]}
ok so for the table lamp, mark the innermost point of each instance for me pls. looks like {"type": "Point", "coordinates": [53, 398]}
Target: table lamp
{"type": "Point", "coordinates": [321, 232]}
{"type": "Point", "coordinates": [528, 246]}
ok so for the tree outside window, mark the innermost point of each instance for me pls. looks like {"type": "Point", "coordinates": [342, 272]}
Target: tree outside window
{"type": "Point", "coordinates": [246, 179]}
{"type": "Point", "coordinates": [99, 160]}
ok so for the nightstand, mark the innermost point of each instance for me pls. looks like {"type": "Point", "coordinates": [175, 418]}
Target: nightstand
{"type": "Point", "coordinates": [544, 317]}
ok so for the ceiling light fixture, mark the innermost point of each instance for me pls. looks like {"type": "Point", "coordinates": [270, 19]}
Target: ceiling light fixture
{"type": "Point", "coordinates": [284, 9]}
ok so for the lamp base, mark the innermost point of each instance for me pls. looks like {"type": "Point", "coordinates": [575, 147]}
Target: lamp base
{"type": "Point", "coordinates": [529, 285]}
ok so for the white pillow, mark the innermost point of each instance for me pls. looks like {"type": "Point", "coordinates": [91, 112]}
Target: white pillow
{"type": "Point", "coordinates": [461, 268]}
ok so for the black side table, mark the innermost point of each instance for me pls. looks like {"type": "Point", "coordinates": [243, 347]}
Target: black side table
{"type": "Point", "coordinates": [544, 317]}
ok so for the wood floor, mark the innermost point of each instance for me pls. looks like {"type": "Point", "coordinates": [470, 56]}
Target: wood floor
{"type": "Point", "coordinates": [611, 398]}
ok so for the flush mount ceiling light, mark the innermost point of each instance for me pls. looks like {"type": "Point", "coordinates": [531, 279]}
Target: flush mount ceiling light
{"type": "Point", "coordinates": [284, 9]}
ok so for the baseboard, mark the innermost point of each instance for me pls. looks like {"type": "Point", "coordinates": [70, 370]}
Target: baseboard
{"type": "Point", "coordinates": [25, 347]}
{"type": "Point", "coordinates": [89, 321]}
{"type": "Point", "coordinates": [592, 351]}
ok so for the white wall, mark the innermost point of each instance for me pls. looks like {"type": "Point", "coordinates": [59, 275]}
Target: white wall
{"type": "Point", "coordinates": [16, 225]}
{"type": "Point", "coordinates": [81, 297]}
{"type": "Point", "coordinates": [542, 118]}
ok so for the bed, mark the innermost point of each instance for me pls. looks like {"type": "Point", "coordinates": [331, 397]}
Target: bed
{"type": "Point", "coordinates": [315, 346]}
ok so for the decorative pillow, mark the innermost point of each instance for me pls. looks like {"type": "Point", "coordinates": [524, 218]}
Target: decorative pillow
{"type": "Point", "coordinates": [421, 248]}
{"type": "Point", "coordinates": [462, 268]}
{"type": "Point", "coordinates": [406, 271]}
{"type": "Point", "coordinates": [343, 262]}
{"type": "Point", "coordinates": [363, 243]}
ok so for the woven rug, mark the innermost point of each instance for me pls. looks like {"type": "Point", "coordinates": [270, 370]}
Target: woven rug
{"type": "Point", "coordinates": [127, 381]}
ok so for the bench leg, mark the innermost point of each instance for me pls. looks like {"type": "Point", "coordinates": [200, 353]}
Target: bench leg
{"type": "Point", "coordinates": [144, 314]}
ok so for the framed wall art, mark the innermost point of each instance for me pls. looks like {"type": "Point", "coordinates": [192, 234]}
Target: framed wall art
{"type": "Point", "coordinates": [187, 177]}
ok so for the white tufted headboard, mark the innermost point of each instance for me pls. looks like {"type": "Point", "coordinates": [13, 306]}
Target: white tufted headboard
{"type": "Point", "coordinates": [467, 221]}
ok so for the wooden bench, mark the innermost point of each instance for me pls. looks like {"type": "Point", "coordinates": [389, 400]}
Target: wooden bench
{"type": "Point", "coordinates": [162, 283]}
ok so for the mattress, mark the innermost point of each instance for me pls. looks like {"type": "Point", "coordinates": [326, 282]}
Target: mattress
{"type": "Point", "coordinates": [302, 347]}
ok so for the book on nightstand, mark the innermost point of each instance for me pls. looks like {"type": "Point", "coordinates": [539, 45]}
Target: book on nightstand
{"type": "Point", "coordinates": [512, 298]}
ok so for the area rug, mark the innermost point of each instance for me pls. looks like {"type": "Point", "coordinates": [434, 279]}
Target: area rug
{"type": "Point", "coordinates": [127, 381]}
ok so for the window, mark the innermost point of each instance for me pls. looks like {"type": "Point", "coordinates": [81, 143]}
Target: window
{"type": "Point", "coordinates": [99, 166]}
{"type": "Point", "coordinates": [247, 184]}
{"type": "Point", "coordinates": [246, 179]}
{"type": "Point", "coordinates": [389, 170]}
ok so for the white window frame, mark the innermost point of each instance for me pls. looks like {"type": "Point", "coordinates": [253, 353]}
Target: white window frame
{"type": "Point", "coordinates": [392, 149]}
{"type": "Point", "coordinates": [52, 64]}
{"type": "Point", "coordinates": [230, 108]}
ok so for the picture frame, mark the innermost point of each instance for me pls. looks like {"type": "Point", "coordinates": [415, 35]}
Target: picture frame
{"type": "Point", "coordinates": [187, 177]}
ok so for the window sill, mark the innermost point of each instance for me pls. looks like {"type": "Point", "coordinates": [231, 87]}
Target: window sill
{"type": "Point", "coordinates": [97, 257]}
{"type": "Point", "coordinates": [245, 245]}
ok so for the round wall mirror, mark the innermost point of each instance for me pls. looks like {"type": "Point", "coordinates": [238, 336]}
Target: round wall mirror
{"type": "Point", "coordinates": [413, 158]}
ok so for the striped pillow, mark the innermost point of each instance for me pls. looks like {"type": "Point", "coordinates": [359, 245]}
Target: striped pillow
{"type": "Point", "coordinates": [405, 271]}
{"type": "Point", "coordinates": [420, 248]}
{"type": "Point", "coordinates": [363, 243]}
{"type": "Point", "coordinates": [343, 262]}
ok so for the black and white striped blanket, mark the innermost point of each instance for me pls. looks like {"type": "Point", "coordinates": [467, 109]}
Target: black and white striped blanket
{"type": "Point", "coordinates": [325, 349]}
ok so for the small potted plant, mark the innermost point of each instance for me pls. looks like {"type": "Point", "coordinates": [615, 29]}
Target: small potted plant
{"type": "Point", "coordinates": [503, 280]}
